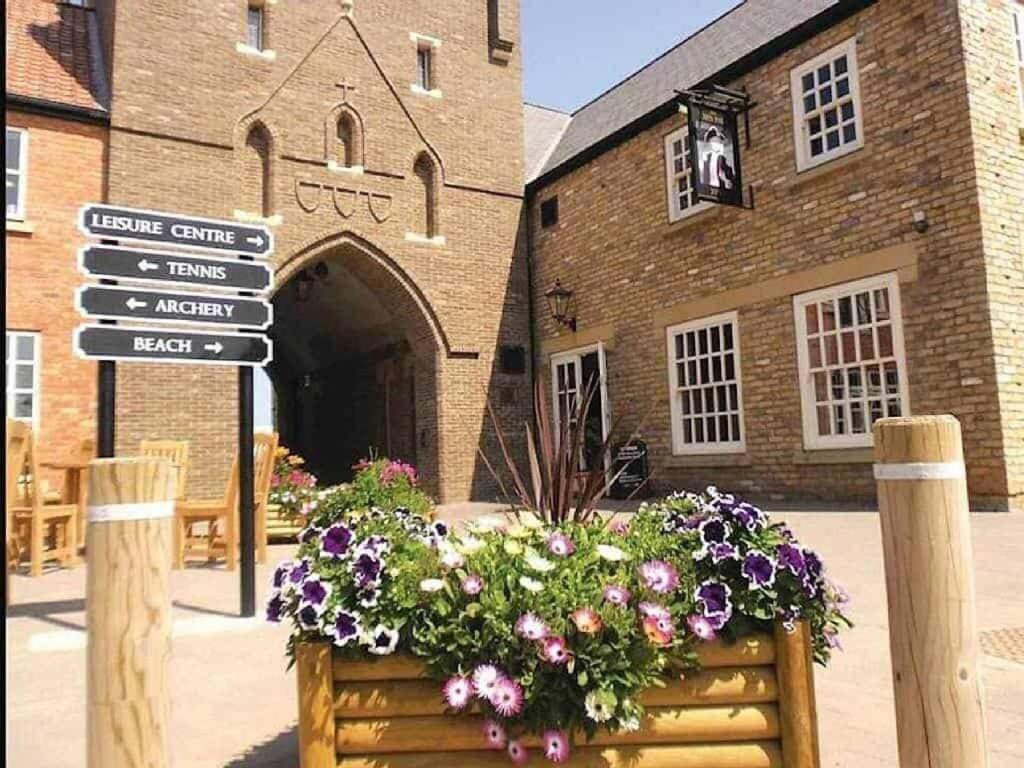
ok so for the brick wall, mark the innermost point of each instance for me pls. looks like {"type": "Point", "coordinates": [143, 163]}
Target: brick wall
{"type": "Point", "coordinates": [634, 273]}
{"type": "Point", "coordinates": [66, 163]}
{"type": "Point", "coordinates": [184, 102]}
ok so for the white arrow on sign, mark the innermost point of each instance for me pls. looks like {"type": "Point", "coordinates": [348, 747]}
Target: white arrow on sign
{"type": "Point", "coordinates": [147, 266]}
{"type": "Point", "coordinates": [257, 241]}
{"type": "Point", "coordinates": [216, 348]}
{"type": "Point", "coordinates": [134, 303]}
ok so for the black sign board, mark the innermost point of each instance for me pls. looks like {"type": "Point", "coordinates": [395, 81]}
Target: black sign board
{"type": "Point", "coordinates": [167, 306]}
{"type": "Point", "coordinates": [117, 223]}
{"type": "Point", "coordinates": [169, 267]}
{"type": "Point", "coordinates": [630, 464]}
{"type": "Point", "coordinates": [109, 342]}
{"type": "Point", "coordinates": [715, 169]}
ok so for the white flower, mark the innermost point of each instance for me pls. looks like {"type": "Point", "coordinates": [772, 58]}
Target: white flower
{"type": "Point", "coordinates": [432, 585]}
{"type": "Point", "coordinates": [517, 531]}
{"type": "Point", "coordinates": [629, 724]}
{"type": "Point", "coordinates": [470, 545]}
{"type": "Point", "coordinates": [512, 547]}
{"type": "Point", "coordinates": [451, 559]}
{"type": "Point", "coordinates": [531, 584]}
{"type": "Point", "coordinates": [530, 520]}
{"type": "Point", "coordinates": [538, 563]}
{"type": "Point", "coordinates": [608, 552]}
{"type": "Point", "coordinates": [600, 706]}
{"type": "Point", "coordinates": [381, 640]}
{"type": "Point", "coordinates": [486, 524]}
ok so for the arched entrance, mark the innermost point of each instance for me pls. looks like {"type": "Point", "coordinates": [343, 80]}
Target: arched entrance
{"type": "Point", "coordinates": [356, 348]}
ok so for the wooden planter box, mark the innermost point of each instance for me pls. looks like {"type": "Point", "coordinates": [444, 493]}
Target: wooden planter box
{"type": "Point", "coordinates": [750, 706]}
{"type": "Point", "coordinates": [280, 528]}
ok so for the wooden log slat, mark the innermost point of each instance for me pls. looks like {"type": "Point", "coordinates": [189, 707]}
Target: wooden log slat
{"type": "Point", "coordinates": [759, 722]}
{"type": "Point", "coordinates": [417, 698]}
{"type": "Point", "coordinates": [738, 755]}
{"type": "Point", "coordinates": [753, 651]}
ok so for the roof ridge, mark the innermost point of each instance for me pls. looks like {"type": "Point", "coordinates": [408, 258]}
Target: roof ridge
{"type": "Point", "coordinates": [659, 57]}
{"type": "Point", "coordinates": [546, 108]}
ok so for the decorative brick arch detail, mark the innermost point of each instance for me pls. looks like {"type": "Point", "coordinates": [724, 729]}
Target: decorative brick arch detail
{"type": "Point", "coordinates": [340, 112]}
{"type": "Point", "coordinates": [427, 209]}
{"type": "Point", "coordinates": [382, 275]}
{"type": "Point", "coordinates": [245, 169]}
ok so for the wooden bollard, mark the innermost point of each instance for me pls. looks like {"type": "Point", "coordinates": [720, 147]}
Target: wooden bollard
{"type": "Point", "coordinates": [128, 611]}
{"type": "Point", "coordinates": [929, 576]}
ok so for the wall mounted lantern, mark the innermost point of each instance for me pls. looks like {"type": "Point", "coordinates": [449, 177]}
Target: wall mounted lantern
{"type": "Point", "coordinates": [559, 299]}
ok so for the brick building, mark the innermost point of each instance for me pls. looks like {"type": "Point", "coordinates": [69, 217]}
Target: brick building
{"type": "Point", "coordinates": [55, 153]}
{"type": "Point", "coordinates": [881, 271]}
{"type": "Point", "coordinates": [382, 143]}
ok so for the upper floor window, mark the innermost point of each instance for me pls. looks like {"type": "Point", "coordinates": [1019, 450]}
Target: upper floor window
{"type": "Point", "coordinates": [549, 212]}
{"type": "Point", "coordinates": [16, 152]}
{"type": "Point", "coordinates": [682, 200]}
{"type": "Point", "coordinates": [255, 19]}
{"type": "Point", "coordinates": [22, 362]}
{"type": "Point", "coordinates": [426, 79]}
{"type": "Point", "coordinates": [826, 106]}
{"type": "Point", "coordinates": [704, 374]}
{"type": "Point", "coordinates": [851, 360]}
{"type": "Point", "coordinates": [423, 68]}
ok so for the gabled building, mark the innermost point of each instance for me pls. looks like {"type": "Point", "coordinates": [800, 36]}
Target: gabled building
{"type": "Point", "coordinates": [880, 271]}
{"type": "Point", "coordinates": [55, 152]}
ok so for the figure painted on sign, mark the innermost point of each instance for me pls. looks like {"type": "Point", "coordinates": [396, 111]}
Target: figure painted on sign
{"type": "Point", "coordinates": [716, 171]}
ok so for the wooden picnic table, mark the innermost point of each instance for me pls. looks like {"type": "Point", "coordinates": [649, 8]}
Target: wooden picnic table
{"type": "Point", "coordinates": [76, 488]}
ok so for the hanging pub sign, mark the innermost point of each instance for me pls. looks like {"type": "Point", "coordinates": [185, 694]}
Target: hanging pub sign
{"type": "Point", "coordinates": [716, 173]}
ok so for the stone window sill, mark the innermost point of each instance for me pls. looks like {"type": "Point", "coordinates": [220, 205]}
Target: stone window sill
{"type": "Point", "coordinates": [20, 226]}
{"type": "Point", "coordinates": [709, 460]}
{"type": "Point", "coordinates": [353, 170]}
{"type": "Point", "coordinates": [826, 169]}
{"type": "Point", "coordinates": [684, 223]}
{"type": "Point", "coordinates": [436, 240]}
{"type": "Point", "coordinates": [254, 218]}
{"type": "Point", "coordinates": [835, 456]}
{"type": "Point", "coordinates": [248, 50]}
{"type": "Point", "coordinates": [434, 93]}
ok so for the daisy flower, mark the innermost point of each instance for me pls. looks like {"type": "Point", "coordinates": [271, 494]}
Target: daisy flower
{"type": "Point", "coordinates": [658, 631]}
{"type": "Point", "coordinates": [472, 585]}
{"type": "Point", "coordinates": [555, 650]}
{"type": "Point", "coordinates": [561, 545]}
{"type": "Point", "coordinates": [457, 692]}
{"type": "Point", "coordinates": [485, 678]}
{"type": "Point", "coordinates": [660, 576]}
{"type": "Point", "coordinates": [616, 595]}
{"type": "Point", "coordinates": [556, 746]}
{"type": "Point", "coordinates": [538, 563]}
{"type": "Point", "coordinates": [653, 610]}
{"type": "Point", "coordinates": [517, 752]}
{"type": "Point", "coordinates": [507, 698]}
{"type": "Point", "coordinates": [531, 627]}
{"type": "Point", "coordinates": [610, 553]}
{"type": "Point", "coordinates": [587, 621]}
{"type": "Point", "coordinates": [531, 584]}
{"type": "Point", "coordinates": [451, 559]}
{"type": "Point", "coordinates": [431, 585]}
{"type": "Point", "coordinates": [702, 628]}
{"type": "Point", "coordinates": [600, 706]}
{"type": "Point", "coordinates": [494, 734]}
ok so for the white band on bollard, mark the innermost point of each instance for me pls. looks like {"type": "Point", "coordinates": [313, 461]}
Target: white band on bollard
{"type": "Point", "coordinates": [146, 510]}
{"type": "Point", "coordinates": [949, 470]}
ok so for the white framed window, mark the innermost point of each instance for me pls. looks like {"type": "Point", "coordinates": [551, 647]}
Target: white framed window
{"type": "Point", "coordinates": [21, 350]}
{"type": "Point", "coordinates": [851, 360]}
{"type": "Point", "coordinates": [827, 106]}
{"type": "Point", "coordinates": [424, 77]}
{"type": "Point", "coordinates": [254, 26]}
{"type": "Point", "coordinates": [426, 80]}
{"type": "Point", "coordinates": [1017, 11]}
{"type": "Point", "coordinates": [682, 200]}
{"type": "Point", "coordinates": [16, 177]}
{"type": "Point", "coordinates": [705, 390]}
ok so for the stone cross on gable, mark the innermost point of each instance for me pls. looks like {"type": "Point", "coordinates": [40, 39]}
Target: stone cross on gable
{"type": "Point", "coordinates": [345, 88]}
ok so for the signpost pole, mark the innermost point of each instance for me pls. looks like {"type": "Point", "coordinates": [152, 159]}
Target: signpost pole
{"type": "Point", "coordinates": [107, 385]}
{"type": "Point", "coordinates": [246, 482]}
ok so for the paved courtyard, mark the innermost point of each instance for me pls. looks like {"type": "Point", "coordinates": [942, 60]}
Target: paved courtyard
{"type": "Point", "coordinates": [234, 701]}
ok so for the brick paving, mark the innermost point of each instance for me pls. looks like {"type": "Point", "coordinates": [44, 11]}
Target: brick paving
{"type": "Point", "coordinates": [234, 701]}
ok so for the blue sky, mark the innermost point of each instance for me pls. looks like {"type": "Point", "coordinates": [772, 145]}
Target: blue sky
{"type": "Point", "coordinates": [576, 49]}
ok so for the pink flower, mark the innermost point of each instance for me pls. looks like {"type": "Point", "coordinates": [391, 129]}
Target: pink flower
{"type": "Point", "coordinates": [556, 746]}
{"type": "Point", "coordinates": [494, 734]}
{"type": "Point", "coordinates": [560, 544]}
{"type": "Point", "coordinates": [616, 595]}
{"type": "Point", "coordinates": [702, 628]}
{"type": "Point", "coordinates": [587, 621]}
{"type": "Point", "coordinates": [655, 611]}
{"type": "Point", "coordinates": [485, 678]}
{"type": "Point", "coordinates": [659, 631]}
{"type": "Point", "coordinates": [295, 478]}
{"type": "Point", "coordinates": [517, 752]}
{"type": "Point", "coordinates": [531, 627]}
{"type": "Point", "coordinates": [457, 692]}
{"type": "Point", "coordinates": [507, 698]}
{"type": "Point", "coordinates": [472, 585]}
{"type": "Point", "coordinates": [555, 650]}
{"type": "Point", "coordinates": [620, 527]}
{"type": "Point", "coordinates": [275, 481]}
{"type": "Point", "coordinates": [659, 576]}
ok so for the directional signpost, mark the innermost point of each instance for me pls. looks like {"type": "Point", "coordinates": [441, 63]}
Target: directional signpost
{"type": "Point", "coordinates": [211, 261]}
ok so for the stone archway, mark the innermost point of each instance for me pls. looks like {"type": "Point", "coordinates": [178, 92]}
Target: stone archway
{"type": "Point", "coordinates": [357, 350]}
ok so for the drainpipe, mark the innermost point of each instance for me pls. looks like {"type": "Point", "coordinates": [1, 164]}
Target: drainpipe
{"type": "Point", "coordinates": [527, 205]}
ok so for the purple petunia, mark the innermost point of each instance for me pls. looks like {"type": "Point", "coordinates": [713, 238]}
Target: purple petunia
{"type": "Point", "coordinates": [308, 617]}
{"type": "Point", "coordinates": [309, 533]}
{"type": "Point", "coordinates": [791, 559]}
{"type": "Point", "coordinates": [713, 530]}
{"type": "Point", "coordinates": [345, 628]}
{"type": "Point", "coordinates": [659, 576]}
{"type": "Point", "coordinates": [296, 575]}
{"type": "Point", "coordinates": [759, 569]}
{"type": "Point", "coordinates": [749, 516]}
{"type": "Point", "coordinates": [281, 574]}
{"type": "Point", "coordinates": [315, 592]}
{"type": "Point", "coordinates": [275, 607]}
{"type": "Point", "coordinates": [366, 568]}
{"type": "Point", "coordinates": [336, 541]}
{"type": "Point", "coordinates": [713, 599]}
